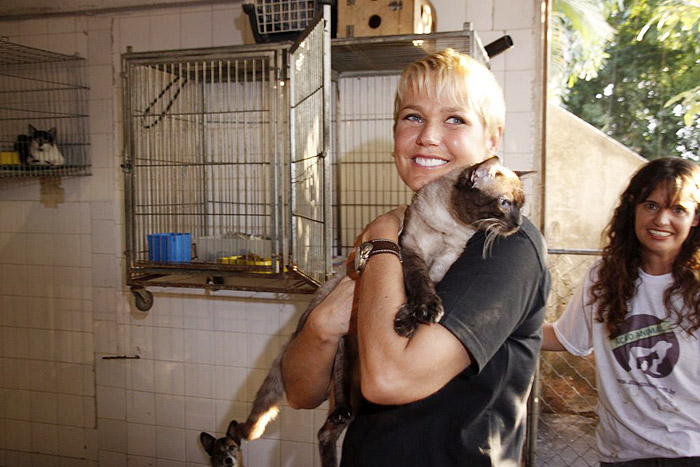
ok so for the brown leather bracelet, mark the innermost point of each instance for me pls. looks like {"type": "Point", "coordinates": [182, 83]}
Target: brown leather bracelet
{"type": "Point", "coordinates": [374, 247]}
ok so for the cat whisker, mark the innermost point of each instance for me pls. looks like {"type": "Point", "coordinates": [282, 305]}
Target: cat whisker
{"type": "Point", "coordinates": [493, 228]}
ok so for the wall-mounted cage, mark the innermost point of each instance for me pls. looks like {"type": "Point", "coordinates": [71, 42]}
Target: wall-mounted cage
{"type": "Point", "coordinates": [224, 188]}
{"type": "Point", "coordinates": [43, 113]}
{"type": "Point", "coordinates": [240, 160]}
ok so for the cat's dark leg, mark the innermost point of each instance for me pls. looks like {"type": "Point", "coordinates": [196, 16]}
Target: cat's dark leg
{"type": "Point", "coordinates": [423, 305]}
{"type": "Point", "coordinates": [341, 409]}
{"type": "Point", "coordinates": [345, 400]}
{"type": "Point", "coordinates": [328, 436]}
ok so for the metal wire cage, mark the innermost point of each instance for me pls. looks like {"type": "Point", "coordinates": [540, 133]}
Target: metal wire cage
{"type": "Point", "coordinates": [207, 163]}
{"type": "Point", "coordinates": [43, 96]}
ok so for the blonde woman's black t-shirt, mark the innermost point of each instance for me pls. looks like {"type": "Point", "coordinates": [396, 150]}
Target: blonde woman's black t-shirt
{"type": "Point", "coordinates": [495, 307]}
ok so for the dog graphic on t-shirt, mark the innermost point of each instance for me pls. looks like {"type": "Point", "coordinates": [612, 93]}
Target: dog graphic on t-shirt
{"type": "Point", "coordinates": [648, 359]}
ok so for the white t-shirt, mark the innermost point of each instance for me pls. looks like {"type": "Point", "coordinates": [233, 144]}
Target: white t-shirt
{"type": "Point", "coordinates": [648, 378]}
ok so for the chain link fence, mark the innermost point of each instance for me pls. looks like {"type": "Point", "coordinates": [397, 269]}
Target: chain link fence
{"type": "Point", "coordinates": [567, 397]}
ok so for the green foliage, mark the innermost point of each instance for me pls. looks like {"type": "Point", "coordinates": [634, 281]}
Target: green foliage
{"type": "Point", "coordinates": [645, 96]}
{"type": "Point", "coordinates": [579, 34]}
{"type": "Point", "coordinates": [677, 21]}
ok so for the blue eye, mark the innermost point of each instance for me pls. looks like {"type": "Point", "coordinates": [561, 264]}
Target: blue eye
{"type": "Point", "coordinates": [504, 203]}
{"type": "Point", "coordinates": [679, 209]}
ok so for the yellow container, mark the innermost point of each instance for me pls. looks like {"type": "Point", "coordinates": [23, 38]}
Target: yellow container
{"type": "Point", "coordinates": [229, 259]}
{"type": "Point", "coordinates": [9, 157]}
{"type": "Point", "coordinates": [242, 260]}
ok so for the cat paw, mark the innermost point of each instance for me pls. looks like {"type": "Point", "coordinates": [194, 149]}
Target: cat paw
{"type": "Point", "coordinates": [405, 323]}
{"type": "Point", "coordinates": [340, 416]}
{"type": "Point", "coordinates": [430, 311]}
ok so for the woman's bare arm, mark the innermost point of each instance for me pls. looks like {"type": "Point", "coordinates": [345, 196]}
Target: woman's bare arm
{"type": "Point", "coordinates": [549, 338]}
{"type": "Point", "coordinates": [395, 369]}
{"type": "Point", "coordinates": [308, 360]}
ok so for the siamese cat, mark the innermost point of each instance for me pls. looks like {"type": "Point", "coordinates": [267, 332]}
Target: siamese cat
{"type": "Point", "coordinates": [442, 217]}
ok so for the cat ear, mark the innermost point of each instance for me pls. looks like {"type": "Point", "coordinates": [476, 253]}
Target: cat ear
{"type": "Point", "coordinates": [32, 130]}
{"type": "Point", "coordinates": [52, 134]}
{"type": "Point", "coordinates": [483, 168]}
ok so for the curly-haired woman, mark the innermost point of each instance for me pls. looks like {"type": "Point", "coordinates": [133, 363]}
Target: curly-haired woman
{"type": "Point", "coordinates": [638, 309]}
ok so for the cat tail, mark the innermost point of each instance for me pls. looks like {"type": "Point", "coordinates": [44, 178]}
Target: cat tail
{"type": "Point", "coordinates": [266, 405]}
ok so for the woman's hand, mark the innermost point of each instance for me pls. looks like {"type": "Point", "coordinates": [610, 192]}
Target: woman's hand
{"type": "Point", "coordinates": [307, 363]}
{"type": "Point", "coordinates": [333, 317]}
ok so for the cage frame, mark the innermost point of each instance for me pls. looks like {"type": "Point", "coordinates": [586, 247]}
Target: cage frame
{"type": "Point", "coordinates": [283, 274]}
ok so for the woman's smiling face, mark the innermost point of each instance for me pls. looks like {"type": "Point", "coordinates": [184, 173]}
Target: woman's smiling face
{"type": "Point", "coordinates": [431, 138]}
{"type": "Point", "coordinates": [662, 225]}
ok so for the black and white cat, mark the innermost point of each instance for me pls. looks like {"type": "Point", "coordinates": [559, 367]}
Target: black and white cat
{"type": "Point", "coordinates": [39, 148]}
{"type": "Point", "coordinates": [442, 217]}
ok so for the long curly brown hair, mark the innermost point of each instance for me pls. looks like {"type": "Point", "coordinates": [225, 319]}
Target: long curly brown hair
{"type": "Point", "coordinates": [622, 257]}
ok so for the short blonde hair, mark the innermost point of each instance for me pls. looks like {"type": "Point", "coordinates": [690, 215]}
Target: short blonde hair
{"type": "Point", "coordinates": [459, 78]}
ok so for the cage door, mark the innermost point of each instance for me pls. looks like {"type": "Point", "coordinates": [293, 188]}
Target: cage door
{"type": "Point", "coordinates": [310, 204]}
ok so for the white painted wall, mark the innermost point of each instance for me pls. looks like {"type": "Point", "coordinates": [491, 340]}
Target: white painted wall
{"type": "Point", "coordinates": [63, 303]}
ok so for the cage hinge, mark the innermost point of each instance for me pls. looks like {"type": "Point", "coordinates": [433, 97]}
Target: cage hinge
{"type": "Point", "coordinates": [126, 167]}
{"type": "Point", "coordinates": [396, 5]}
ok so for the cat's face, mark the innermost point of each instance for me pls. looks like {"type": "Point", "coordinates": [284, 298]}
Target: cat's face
{"type": "Point", "coordinates": [497, 194]}
{"type": "Point", "coordinates": [40, 138]}
{"type": "Point", "coordinates": [432, 138]}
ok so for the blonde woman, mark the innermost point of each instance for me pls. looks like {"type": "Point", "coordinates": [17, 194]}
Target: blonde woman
{"type": "Point", "coordinates": [455, 392]}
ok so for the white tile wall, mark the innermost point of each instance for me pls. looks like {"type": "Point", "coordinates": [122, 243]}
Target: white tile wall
{"type": "Point", "coordinates": [480, 15]}
{"type": "Point", "coordinates": [509, 15]}
{"type": "Point", "coordinates": [63, 304]}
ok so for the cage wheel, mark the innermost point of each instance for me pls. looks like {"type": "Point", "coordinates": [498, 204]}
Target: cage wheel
{"type": "Point", "coordinates": [143, 299]}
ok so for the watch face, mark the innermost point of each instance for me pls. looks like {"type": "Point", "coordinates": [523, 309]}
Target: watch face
{"type": "Point", "coordinates": [362, 256]}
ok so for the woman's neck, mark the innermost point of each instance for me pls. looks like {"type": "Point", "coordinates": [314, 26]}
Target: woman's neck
{"type": "Point", "coordinates": [655, 265]}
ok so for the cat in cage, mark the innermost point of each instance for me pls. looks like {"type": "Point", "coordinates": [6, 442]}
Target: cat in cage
{"type": "Point", "coordinates": [39, 148]}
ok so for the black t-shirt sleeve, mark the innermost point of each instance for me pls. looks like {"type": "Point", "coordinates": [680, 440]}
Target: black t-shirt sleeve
{"type": "Point", "coordinates": [488, 301]}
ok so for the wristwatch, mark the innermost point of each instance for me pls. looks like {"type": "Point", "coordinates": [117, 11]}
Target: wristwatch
{"type": "Point", "coordinates": [374, 247]}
